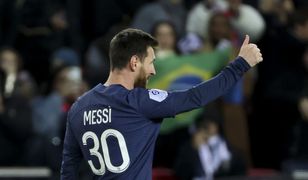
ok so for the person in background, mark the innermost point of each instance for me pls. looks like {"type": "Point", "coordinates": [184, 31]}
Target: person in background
{"type": "Point", "coordinates": [298, 160]}
{"type": "Point", "coordinates": [66, 87]}
{"type": "Point", "coordinates": [17, 89]}
{"type": "Point", "coordinates": [161, 10]}
{"type": "Point", "coordinates": [49, 126]}
{"type": "Point", "coordinates": [207, 154]}
{"type": "Point", "coordinates": [245, 18]}
{"type": "Point", "coordinates": [278, 90]}
{"type": "Point", "coordinates": [301, 135]}
{"type": "Point", "coordinates": [197, 18]}
{"type": "Point", "coordinates": [18, 81]}
{"type": "Point", "coordinates": [221, 34]}
{"type": "Point", "coordinates": [276, 13]}
{"type": "Point", "coordinates": [64, 57]}
{"type": "Point", "coordinates": [165, 33]}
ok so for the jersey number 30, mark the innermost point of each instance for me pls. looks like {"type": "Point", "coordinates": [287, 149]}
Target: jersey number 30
{"type": "Point", "coordinates": [105, 159]}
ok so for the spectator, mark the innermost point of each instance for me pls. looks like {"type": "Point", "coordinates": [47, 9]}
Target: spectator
{"type": "Point", "coordinates": [161, 10]}
{"type": "Point", "coordinates": [17, 90]}
{"type": "Point", "coordinates": [166, 36]}
{"type": "Point", "coordinates": [221, 34]}
{"type": "Point", "coordinates": [197, 19]}
{"type": "Point", "coordinates": [207, 154]}
{"type": "Point", "coordinates": [49, 126]}
{"type": "Point", "coordinates": [276, 11]}
{"type": "Point", "coordinates": [298, 160]}
{"type": "Point", "coordinates": [240, 14]}
{"type": "Point", "coordinates": [64, 57]}
{"type": "Point", "coordinates": [18, 81]}
{"type": "Point", "coordinates": [67, 86]}
{"type": "Point", "coordinates": [300, 150]}
{"type": "Point", "coordinates": [278, 89]}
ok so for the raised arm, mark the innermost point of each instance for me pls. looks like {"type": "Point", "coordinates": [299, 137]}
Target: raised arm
{"type": "Point", "coordinates": [159, 104]}
{"type": "Point", "coordinates": [209, 90]}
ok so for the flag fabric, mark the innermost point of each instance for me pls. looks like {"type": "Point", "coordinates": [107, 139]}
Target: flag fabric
{"type": "Point", "coordinates": [183, 72]}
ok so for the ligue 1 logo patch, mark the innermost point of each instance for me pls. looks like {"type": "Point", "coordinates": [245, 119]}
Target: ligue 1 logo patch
{"type": "Point", "coordinates": [158, 95]}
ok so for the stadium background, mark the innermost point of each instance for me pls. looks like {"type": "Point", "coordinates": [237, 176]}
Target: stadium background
{"type": "Point", "coordinates": [54, 50]}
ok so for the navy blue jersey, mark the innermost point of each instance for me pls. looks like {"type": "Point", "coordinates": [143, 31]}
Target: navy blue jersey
{"type": "Point", "coordinates": [115, 129]}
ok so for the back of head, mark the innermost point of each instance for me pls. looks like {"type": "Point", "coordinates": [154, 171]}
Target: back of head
{"type": "Point", "coordinates": [128, 43]}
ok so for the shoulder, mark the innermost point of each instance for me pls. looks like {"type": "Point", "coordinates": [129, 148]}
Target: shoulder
{"type": "Point", "coordinates": [80, 103]}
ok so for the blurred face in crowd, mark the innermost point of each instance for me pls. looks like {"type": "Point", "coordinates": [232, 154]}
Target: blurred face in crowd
{"type": "Point", "coordinates": [219, 28]}
{"type": "Point", "coordinates": [69, 83]}
{"type": "Point", "coordinates": [146, 69]}
{"type": "Point", "coordinates": [212, 129]}
{"type": "Point", "coordinates": [9, 61]}
{"type": "Point", "coordinates": [165, 35]}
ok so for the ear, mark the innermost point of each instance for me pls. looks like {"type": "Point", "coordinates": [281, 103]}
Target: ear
{"type": "Point", "coordinates": [133, 63]}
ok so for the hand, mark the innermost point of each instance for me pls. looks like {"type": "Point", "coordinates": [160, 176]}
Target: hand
{"type": "Point", "coordinates": [250, 52]}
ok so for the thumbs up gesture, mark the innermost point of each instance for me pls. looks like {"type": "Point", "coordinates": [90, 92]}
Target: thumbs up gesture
{"type": "Point", "coordinates": [250, 52]}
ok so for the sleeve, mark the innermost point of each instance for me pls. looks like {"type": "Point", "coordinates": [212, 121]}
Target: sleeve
{"type": "Point", "coordinates": [155, 104]}
{"type": "Point", "coordinates": [235, 94]}
{"type": "Point", "coordinates": [71, 155]}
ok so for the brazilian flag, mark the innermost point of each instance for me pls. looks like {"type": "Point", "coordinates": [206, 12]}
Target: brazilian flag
{"type": "Point", "coordinates": [169, 70]}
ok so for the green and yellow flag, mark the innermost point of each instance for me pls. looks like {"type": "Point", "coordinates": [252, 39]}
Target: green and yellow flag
{"type": "Point", "coordinates": [202, 65]}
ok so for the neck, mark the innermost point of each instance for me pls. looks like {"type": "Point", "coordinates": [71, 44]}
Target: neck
{"type": "Point", "coordinates": [121, 77]}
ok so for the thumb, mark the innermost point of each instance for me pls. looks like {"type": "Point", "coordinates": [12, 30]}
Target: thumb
{"type": "Point", "coordinates": [246, 41]}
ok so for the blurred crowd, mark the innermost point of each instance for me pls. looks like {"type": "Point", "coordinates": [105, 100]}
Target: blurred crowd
{"type": "Point", "coordinates": [52, 51]}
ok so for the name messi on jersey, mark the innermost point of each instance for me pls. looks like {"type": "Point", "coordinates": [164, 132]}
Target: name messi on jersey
{"type": "Point", "coordinates": [97, 116]}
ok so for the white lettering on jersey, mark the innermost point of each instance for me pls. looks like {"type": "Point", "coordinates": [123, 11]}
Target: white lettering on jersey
{"type": "Point", "coordinates": [158, 95]}
{"type": "Point", "coordinates": [97, 116]}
